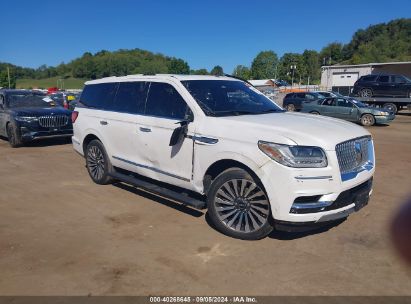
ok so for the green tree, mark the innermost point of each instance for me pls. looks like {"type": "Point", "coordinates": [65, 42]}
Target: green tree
{"type": "Point", "coordinates": [332, 53]}
{"type": "Point", "coordinates": [178, 66]}
{"type": "Point", "coordinates": [199, 72]}
{"type": "Point", "coordinates": [217, 70]}
{"type": "Point", "coordinates": [264, 65]}
{"type": "Point", "coordinates": [242, 72]}
{"type": "Point", "coordinates": [312, 66]}
{"type": "Point", "coordinates": [4, 80]}
{"type": "Point", "coordinates": [286, 67]}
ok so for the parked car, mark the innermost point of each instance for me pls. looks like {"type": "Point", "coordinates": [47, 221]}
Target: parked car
{"type": "Point", "coordinates": [217, 143]}
{"type": "Point", "coordinates": [384, 85]}
{"type": "Point", "coordinates": [293, 101]}
{"type": "Point", "coordinates": [281, 83]}
{"type": "Point", "coordinates": [349, 109]}
{"type": "Point", "coordinates": [27, 115]}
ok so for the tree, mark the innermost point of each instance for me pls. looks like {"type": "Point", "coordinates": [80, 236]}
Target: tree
{"type": "Point", "coordinates": [217, 70]}
{"type": "Point", "coordinates": [199, 72]}
{"type": "Point", "coordinates": [264, 65]}
{"type": "Point", "coordinates": [312, 66]}
{"type": "Point", "coordinates": [242, 71]}
{"type": "Point", "coordinates": [332, 53]}
{"type": "Point", "coordinates": [178, 66]}
{"type": "Point", "coordinates": [4, 80]}
{"type": "Point", "coordinates": [286, 67]}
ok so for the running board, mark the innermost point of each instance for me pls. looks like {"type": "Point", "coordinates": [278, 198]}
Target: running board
{"type": "Point", "coordinates": [158, 190]}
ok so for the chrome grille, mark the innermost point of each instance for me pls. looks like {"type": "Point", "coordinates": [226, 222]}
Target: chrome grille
{"type": "Point", "coordinates": [53, 121]}
{"type": "Point", "coordinates": [353, 154]}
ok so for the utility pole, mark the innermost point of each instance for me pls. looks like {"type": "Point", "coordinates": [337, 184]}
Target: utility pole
{"type": "Point", "coordinates": [293, 67]}
{"type": "Point", "coordinates": [8, 76]}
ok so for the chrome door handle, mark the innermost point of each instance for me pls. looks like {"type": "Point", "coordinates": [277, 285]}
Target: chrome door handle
{"type": "Point", "coordinates": [142, 129]}
{"type": "Point", "coordinates": [103, 122]}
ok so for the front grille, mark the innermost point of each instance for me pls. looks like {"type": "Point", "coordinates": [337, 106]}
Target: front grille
{"type": "Point", "coordinates": [53, 121]}
{"type": "Point", "coordinates": [353, 154]}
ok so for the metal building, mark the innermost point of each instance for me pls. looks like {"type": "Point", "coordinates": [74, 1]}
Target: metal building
{"type": "Point", "coordinates": [341, 78]}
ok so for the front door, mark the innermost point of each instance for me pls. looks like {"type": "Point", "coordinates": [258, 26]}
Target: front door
{"type": "Point", "coordinates": [345, 110]}
{"type": "Point", "coordinates": [165, 108]}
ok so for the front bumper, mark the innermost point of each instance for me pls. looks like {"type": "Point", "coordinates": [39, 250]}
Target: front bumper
{"type": "Point", "coordinates": [284, 186]}
{"type": "Point", "coordinates": [29, 135]}
{"type": "Point", "coordinates": [384, 119]}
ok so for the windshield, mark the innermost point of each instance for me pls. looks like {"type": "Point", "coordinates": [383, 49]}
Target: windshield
{"type": "Point", "coordinates": [227, 98]}
{"type": "Point", "coordinates": [29, 100]}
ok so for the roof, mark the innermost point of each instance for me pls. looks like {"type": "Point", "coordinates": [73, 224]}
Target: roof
{"type": "Point", "coordinates": [337, 66]}
{"type": "Point", "coordinates": [158, 77]}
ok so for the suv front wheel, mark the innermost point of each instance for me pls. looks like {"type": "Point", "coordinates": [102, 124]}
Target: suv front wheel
{"type": "Point", "coordinates": [238, 206]}
{"type": "Point", "coordinates": [97, 162]}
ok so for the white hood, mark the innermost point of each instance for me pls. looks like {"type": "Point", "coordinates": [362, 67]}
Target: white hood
{"type": "Point", "coordinates": [284, 128]}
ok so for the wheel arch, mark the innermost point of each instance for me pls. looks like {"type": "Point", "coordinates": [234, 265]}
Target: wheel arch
{"type": "Point", "coordinates": [88, 139]}
{"type": "Point", "coordinates": [219, 166]}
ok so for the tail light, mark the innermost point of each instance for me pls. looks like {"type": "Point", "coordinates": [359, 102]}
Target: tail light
{"type": "Point", "coordinates": [74, 116]}
{"type": "Point", "coordinates": [66, 105]}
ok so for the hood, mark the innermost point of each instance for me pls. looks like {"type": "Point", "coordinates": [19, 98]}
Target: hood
{"type": "Point", "coordinates": [285, 128]}
{"type": "Point", "coordinates": [36, 111]}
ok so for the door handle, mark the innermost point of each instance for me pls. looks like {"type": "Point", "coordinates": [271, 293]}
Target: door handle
{"type": "Point", "coordinates": [142, 129]}
{"type": "Point", "coordinates": [103, 122]}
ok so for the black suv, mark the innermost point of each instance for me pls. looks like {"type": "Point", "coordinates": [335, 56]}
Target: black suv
{"type": "Point", "coordinates": [28, 115]}
{"type": "Point", "coordinates": [293, 101]}
{"type": "Point", "coordinates": [383, 85]}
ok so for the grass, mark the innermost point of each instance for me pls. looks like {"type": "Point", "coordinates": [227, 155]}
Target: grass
{"type": "Point", "coordinates": [68, 83]}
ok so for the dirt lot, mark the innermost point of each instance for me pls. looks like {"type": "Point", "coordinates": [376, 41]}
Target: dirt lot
{"type": "Point", "coordinates": [60, 234]}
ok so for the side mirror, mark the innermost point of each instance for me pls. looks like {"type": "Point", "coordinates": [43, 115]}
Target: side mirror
{"type": "Point", "coordinates": [179, 133]}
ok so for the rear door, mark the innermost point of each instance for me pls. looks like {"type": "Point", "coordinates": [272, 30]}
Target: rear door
{"type": "Point", "coordinates": [328, 107]}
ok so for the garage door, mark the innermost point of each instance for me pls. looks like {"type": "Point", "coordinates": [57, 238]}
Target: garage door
{"type": "Point", "coordinates": [344, 79]}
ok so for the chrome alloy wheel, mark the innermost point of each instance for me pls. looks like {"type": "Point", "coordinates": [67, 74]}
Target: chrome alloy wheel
{"type": "Point", "coordinates": [241, 205]}
{"type": "Point", "coordinates": [95, 162]}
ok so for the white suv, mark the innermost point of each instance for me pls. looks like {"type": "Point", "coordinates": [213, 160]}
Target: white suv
{"type": "Point", "coordinates": [218, 143]}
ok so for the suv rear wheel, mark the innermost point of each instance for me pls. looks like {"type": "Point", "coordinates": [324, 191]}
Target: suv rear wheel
{"type": "Point", "coordinates": [366, 93]}
{"type": "Point", "coordinates": [238, 206]}
{"type": "Point", "coordinates": [97, 162]}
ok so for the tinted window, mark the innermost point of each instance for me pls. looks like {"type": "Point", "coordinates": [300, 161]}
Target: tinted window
{"type": "Point", "coordinates": [130, 97]}
{"type": "Point", "coordinates": [344, 103]}
{"type": "Point", "coordinates": [329, 102]}
{"type": "Point", "coordinates": [325, 94]}
{"type": "Point", "coordinates": [100, 96]}
{"type": "Point", "coordinates": [310, 97]}
{"type": "Point", "coordinates": [300, 95]}
{"type": "Point", "coordinates": [384, 79]}
{"type": "Point", "coordinates": [369, 78]}
{"type": "Point", "coordinates": [164, 101]}
{"type": "Point", "coordinates": [398, 79]}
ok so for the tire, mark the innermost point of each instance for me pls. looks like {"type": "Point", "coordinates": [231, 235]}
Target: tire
{"type": "Point", "coordinates": [367, 120]}
{"type": "Point", "coordinates": [238, 206]}
{"type": "Point", "coordinates": [365, 93]}
{"type": "Point", "coordinates": [290, 107]}
{"type": "Point", "coordinates": [314, 113]}
{"type": "Point", "coordinates": [390, 107]}
{"type": "Point", "coordinates": [97, 163]}
{"type": "Point", "coordinates": [13, 135]}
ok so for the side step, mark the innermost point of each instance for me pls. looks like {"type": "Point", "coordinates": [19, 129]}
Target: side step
{"type": "Point", "coordinates": [156, 189]}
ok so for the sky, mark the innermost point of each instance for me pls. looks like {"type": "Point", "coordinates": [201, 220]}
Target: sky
{"type": "Point", "coordinates": [203, 33]}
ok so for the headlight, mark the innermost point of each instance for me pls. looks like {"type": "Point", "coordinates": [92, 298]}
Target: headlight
{"type": "Point", "coordinates": [295, 156]}
{"type": "Point", "coordinates": [383, 113]}
{"type": "Point", "coordinates": [26, 118]}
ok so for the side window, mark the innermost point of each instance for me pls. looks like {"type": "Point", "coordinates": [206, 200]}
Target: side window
{"type": "Point", "coordinates": [384, 79]}
{"type": "Point", "coordinates": [341, 102]}
{"type": "Point", "coordinates": [398, 79]}
{"type": "Point", "coordinates": [130, 97]}
{"type": "Point", "coordinates": [164, 101]}
{"type": "Point", "coordinates": [329, 102]}
{"type": "Point", "coordinates": [309, 97]}
{"type": "Point", "coordinates": [300, 95]}
{"type": "Point", "coordinates": [99, 96]}
{"type": "Point", "coordinates": [369, 78]}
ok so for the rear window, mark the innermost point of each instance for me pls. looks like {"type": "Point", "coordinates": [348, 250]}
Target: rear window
{"type": "Point", "coordinates": [384, 79]}
{"type": "Point", "coordinates": [369, 78]}
{"type": "Point", "coordinates": [99, 96]}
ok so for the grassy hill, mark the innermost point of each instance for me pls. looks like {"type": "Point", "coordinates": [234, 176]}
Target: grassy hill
{"type": "Point", "coordinates": [68, 83]}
